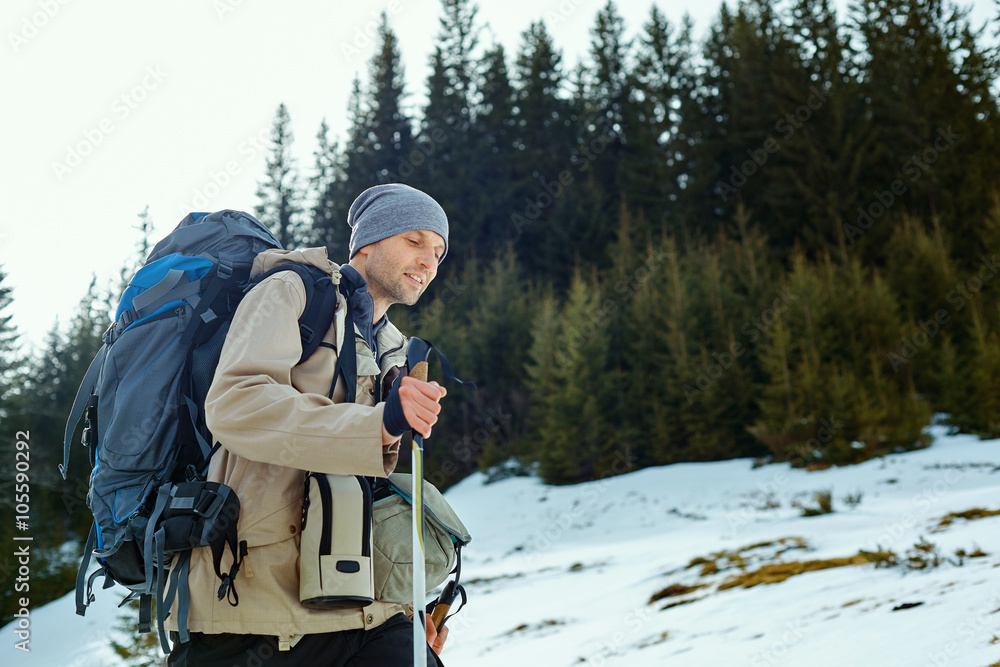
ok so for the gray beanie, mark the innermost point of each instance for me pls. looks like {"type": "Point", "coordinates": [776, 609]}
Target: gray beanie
{"type": "Point", "coordinates": [386, 210]}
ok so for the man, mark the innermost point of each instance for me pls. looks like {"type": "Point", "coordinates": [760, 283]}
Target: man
{"type": "Point", "coordinates": [275, 421]}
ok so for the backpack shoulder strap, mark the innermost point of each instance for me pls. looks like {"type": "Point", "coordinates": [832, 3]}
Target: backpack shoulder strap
{"type": "Point", "coordinates": [321, 303]}
{"type": "Point", "coordinates": [80, 403]}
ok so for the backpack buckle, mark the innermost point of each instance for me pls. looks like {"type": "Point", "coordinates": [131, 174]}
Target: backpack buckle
{"type": "Point", "coordinates": [307, 333]}
{"type": "Point", "coordinates": [208, 503]}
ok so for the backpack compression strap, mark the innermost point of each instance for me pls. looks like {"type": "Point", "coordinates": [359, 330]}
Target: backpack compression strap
{"type": "Point", "coordinates": [187, 516]}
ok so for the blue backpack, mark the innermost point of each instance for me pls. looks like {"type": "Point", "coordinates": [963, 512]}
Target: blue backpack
{"type": "Point", "coordinates": [143, 400]}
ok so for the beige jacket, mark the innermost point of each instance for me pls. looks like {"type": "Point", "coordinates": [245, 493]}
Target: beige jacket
{"type": "Point", "coordinates": [274, 421]}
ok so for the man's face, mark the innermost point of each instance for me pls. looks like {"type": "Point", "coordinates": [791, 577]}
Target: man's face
{"type": "Point", "coordinates": [399, 268]}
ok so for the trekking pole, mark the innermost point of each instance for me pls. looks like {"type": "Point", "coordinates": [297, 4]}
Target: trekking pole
{"type": "Point", "coordinates": [416, 359]}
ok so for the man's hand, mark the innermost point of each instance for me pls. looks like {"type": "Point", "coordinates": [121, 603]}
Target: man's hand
{"type": "Point", "coordinates": [434, 638]}
{"type": "Point", "coordinates": [421, 406]}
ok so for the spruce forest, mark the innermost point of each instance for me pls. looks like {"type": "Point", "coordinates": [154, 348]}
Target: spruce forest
{"type": "Point", "coordinates": [775, 240]}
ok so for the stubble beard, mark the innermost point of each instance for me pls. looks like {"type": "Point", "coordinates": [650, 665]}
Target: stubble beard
{"type": "Point", "coordinates": [387, 285]}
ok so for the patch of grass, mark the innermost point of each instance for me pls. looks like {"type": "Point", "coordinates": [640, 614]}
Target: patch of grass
{"type": "Point", "coordinates": [674, 590]}
{"type": "Point", "coordinates": [824, 504]}
{"type": "Point", "coordinates": [771, 543]}
{"type": "Point", "coordinates": [962, 554]}
{"type": "Point", "coordinates": [524, 627]}
{"type": "Point", "coordinates": [777, 572]}
{"type": "Point", "coordinates": [968, 515]}
{"type": "Point", "coordinates": [880, 558]}
{"type": "Point", "coordinates": [489, 580]}
{"type": "Point", "coordinates": [739, 559]}
{"type": "Point", "coordinates": [699, 560]}
{"type": "Point", "coordinates": [678, 603]}
{"type": "Point", "coordinates": [764, 501]}
{"type": "Point", "coordinates": [852, 500]}
{"type": "Point", "coordinates": [659, 640]}
{"type": "Point", "coordinates": [923, 555]}
{"type": "Point", "coordinates": [710, 568]}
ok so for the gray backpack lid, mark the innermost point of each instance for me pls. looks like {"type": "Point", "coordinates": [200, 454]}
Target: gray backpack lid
{"type": "Point", "coordinates": [228, 233]}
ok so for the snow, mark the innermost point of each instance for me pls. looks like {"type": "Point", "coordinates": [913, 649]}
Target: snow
{"type": "Point", "coordinates": [565, 574]}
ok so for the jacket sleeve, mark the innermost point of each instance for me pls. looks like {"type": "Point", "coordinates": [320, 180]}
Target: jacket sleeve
{"type": "Point", "coordinates": [254, 410]}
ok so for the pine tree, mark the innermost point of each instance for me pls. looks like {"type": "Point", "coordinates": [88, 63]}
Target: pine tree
{"type": "Point", "coordinates": [360, 168]}
{"type": "Point", "coordinates": [815, 177]}
{"type": "Point", "coordinates": [546, 187]}
{"type": "Point", "coordinates": [652, 162]}
{"type": "Point", "coordinates": [390, 135]}
{"type": "Point", "coordinates": [58, 508]}
{"type": "Point", "coordinates": [541, 379]}
{"type": "Point", "coordinates": [660, 355]}
{"type": "Point", "coordinates": [833, 395]}
{"type": "Point", "coordinates": [610, 115]}
{"type": "Point", "coordinates": [482, 308]}
{"type": "Point", "coordinates": [494, 128]}
{"type": "Point", "coordinates": [985, 409]}
{"type": "Point", "coordinates": [130, 266]}
{"type": "Point", "coordinates": [459, 36]}
{"type": "Point", "coordinates": [927, 86]}
{"type": "Point", "coordinates": [569, 390]}
{"type": "Point", "coordinates": [279, 194]}
{"type": "Point", "coordinates": [447, 136]}
{"type": "Point", "coordinates": [743, 113]}
{"type": "Point", "coordinates": [11, 358]}
{"type": "Point", "coordinates": [327, 178]}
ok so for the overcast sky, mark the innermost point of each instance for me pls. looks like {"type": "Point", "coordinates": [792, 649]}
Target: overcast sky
{"type": "Point", "coordinates": [117, 105]}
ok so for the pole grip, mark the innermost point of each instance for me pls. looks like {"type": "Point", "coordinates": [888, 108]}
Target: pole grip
{"type": "Point", "coordinates": [438, 615]}
{"type": "Point", "coordinates": [419, 372]}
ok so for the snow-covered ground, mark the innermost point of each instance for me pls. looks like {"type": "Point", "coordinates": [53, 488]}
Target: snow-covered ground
{"type": "Point", "coordinates": [564, 575]}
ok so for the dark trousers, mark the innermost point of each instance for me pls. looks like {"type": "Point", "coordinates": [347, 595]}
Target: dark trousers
{"type": "Point", "coordinates": [389, 645]}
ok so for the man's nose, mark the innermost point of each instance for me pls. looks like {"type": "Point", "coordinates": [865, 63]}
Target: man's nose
{"type": "Point", "coordinates": [427, 259]}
